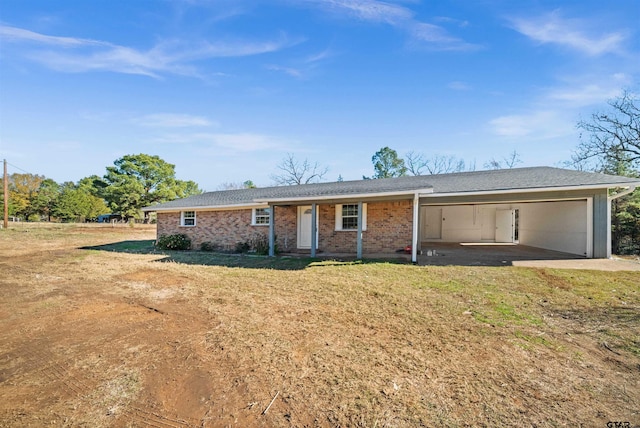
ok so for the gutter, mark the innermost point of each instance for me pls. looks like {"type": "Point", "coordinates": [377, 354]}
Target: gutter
{"type": "Point", "coordinates": [264, 202]}
{"type": "Point", "coordinates": [336, 197]}
{"type": "Point", "coordinates": [426, 193]}
{"type": "Point", "coordinates": [534, 190]}
{"type": "Point", "coordinates": [207, 207]}
{"type": "Point", "coordinates": [630, 189]}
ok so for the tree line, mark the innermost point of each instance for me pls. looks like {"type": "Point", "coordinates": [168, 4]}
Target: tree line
{"type": "Point", "coordinates": [133, 182]}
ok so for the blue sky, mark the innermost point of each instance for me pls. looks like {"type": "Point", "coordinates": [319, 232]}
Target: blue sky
{"type": "Point", "coordinates": [225, 89]}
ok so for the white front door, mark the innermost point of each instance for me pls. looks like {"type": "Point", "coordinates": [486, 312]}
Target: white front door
{"type": "Point", "coordinates": [505, 225]}
{"type": "Point", "coordinates": [304, 227]}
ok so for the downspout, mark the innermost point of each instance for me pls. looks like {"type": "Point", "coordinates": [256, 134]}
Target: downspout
{"type": "Point", "coordinates": [359, 237]}
{"type": "Point", "coordinates": [314, 230]}
{"type": "Point", "coordinates": [414, 240]}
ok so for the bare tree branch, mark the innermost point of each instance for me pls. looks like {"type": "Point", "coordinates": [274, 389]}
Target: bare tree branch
{"type": "Point", "coordinates": [612, 135]}
{"type": "Point", "coordinates": [417, 164]}
{"type": "Point", "coordinates": [248, 184]}
{"type": "Point", "coordinates": [512, 160]}
{"type": "Point", "coordinates": [295, 172]}
{"type": "Point", "coordinates": [507, 162]}
{"type": "Point", "coordinates": [493, 164]}
{"type": "Point", "coordinates": [445, 165]}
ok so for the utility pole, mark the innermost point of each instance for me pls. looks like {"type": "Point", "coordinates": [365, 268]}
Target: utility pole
{"type": "Point", "coordinates": [5, 181]}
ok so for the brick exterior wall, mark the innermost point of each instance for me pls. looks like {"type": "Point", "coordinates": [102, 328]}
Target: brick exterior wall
{"type": "Point", "coordinates": [388, 228]}
{"type": "Point", "coordinates": [226, 228]}
{"type": "Point", "coordinates": [286, 228]}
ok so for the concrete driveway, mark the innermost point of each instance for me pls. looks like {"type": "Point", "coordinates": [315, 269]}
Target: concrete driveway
{"type": "Point", "coordinates": [473, 254]}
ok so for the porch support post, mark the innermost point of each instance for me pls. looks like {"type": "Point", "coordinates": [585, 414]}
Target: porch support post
{"type": "Point", "coordinates": [609, 202]}
{"type": "Point", "coordinates": [314, 230]}
{"type": "Point", "coordinates": [589, 249]}
{"type": "Point", "coordinates": [272, 230]}
{"type": "Point", "coordinates": [359, 238]}
{"type": "Point", "coordinates": [414, 240]}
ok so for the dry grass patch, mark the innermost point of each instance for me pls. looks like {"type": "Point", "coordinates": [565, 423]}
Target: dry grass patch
{"type": "Point", "coordinates": [123, 337]}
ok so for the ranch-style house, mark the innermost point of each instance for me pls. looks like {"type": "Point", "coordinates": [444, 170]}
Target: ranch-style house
{"type": "Point", "coordinates": [544, 207]}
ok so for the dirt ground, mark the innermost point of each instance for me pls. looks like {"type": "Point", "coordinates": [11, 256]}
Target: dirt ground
{"type": "Point", "coordinates": [92, 338]}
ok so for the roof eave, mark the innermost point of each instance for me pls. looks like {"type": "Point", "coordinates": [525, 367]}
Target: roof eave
{"type": "Point", "coordinates": [538, 189]}
{"type": "Point", "coordinates": [206, 207]}
{"type": "Point", "coordinates": [345, 197]}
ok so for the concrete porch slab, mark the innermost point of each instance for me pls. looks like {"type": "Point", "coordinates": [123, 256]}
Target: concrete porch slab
{"type": "Point", "coordinates": [495, 254]}
{"type": "Point", "coordinates": [490, 254]}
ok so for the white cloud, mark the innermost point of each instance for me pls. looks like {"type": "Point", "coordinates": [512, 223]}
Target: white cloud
{"type": "Point", "coordinates": [439, 38]}
{"type": "Point", "coordinates": [556, 110]}
{"type": "Point", "coordinates": [246, 142]}
{"type": "Point", "coordinates": [70, 54]}
{"type": "Point", "coordinates": [19, 34]}
{"type": "Point", "coordinates": [536, 125]}
{"type": "Point", "coordinates": [572, 33]}
{"type": "Point", "coordinates": [367, 10]}
{"type": "Point", "coordinates": [511, 126]}
{"type": "Point", "coordinates": [229, 142]}
{"type": "Point", "coordinates": [585, 95]}
{"type": "Point", "coordinates": [231, 48]}
{"type": "Point", "coordinates": [403, 18]}
{"type": "Point", "coordinates": [293, 72]}
{"type": "Point", "coordinates": [458, 86]}
{"type": "Point", "coordinates": [431, 33]}
{"type": "Point", "coordinates": [169, 120]}
{"type": "Point", "coordinates": [302, 68]}
{"type": "Point", "coordinates": [327, 53]}
{"type": "Point", "coordinates": [448, 20]}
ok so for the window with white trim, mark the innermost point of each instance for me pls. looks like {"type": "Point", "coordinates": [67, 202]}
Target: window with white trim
{"type": "Point", "coordinates": [188, 218]}
{"type": "Point", "coordinates": [261, 217]}
{"type": "Point", "coordinates": [347, 217]}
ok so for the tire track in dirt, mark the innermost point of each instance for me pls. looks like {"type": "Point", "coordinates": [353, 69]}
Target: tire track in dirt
{"type": "Point", "coordinates": [71, 360]}
{"type": "Point", "coordinates": [149, 418]}
{"type": "Point", "coordinates": [61, 373]}
{"type": "Point", "coordinates": [44, 366]}
{"type": "Point", "coordinates": [102, 334]}
{"type": "Point", "coordinates": [42, 381]}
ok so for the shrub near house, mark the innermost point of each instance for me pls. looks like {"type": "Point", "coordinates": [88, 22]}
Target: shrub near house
{"type": "Point", "coordinates": [174, 242]}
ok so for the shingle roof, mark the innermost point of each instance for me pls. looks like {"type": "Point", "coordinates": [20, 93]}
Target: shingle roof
{"type": "Point", "coordinates": [524, 178]}
{"type": "Point", "coordinates": [462, 182]}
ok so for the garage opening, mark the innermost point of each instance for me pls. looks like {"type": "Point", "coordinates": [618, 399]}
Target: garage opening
{"type": "Point", "coordinates": [554, 225]}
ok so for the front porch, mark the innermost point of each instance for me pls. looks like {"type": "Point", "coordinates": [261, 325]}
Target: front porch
{"type": "Point", "coordinates": [345, 228]}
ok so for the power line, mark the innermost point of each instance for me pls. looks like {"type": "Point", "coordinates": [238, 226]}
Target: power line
{"type": "Point", "coordinates": [17, 167]}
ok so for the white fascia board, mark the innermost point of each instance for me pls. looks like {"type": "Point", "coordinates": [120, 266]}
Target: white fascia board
{"type": "Point", "coordinates": [408, 193]}
{"type": "Point", "coordinates": [209, 208]}
{"type": "Point", "coordinates": [531, 190]}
